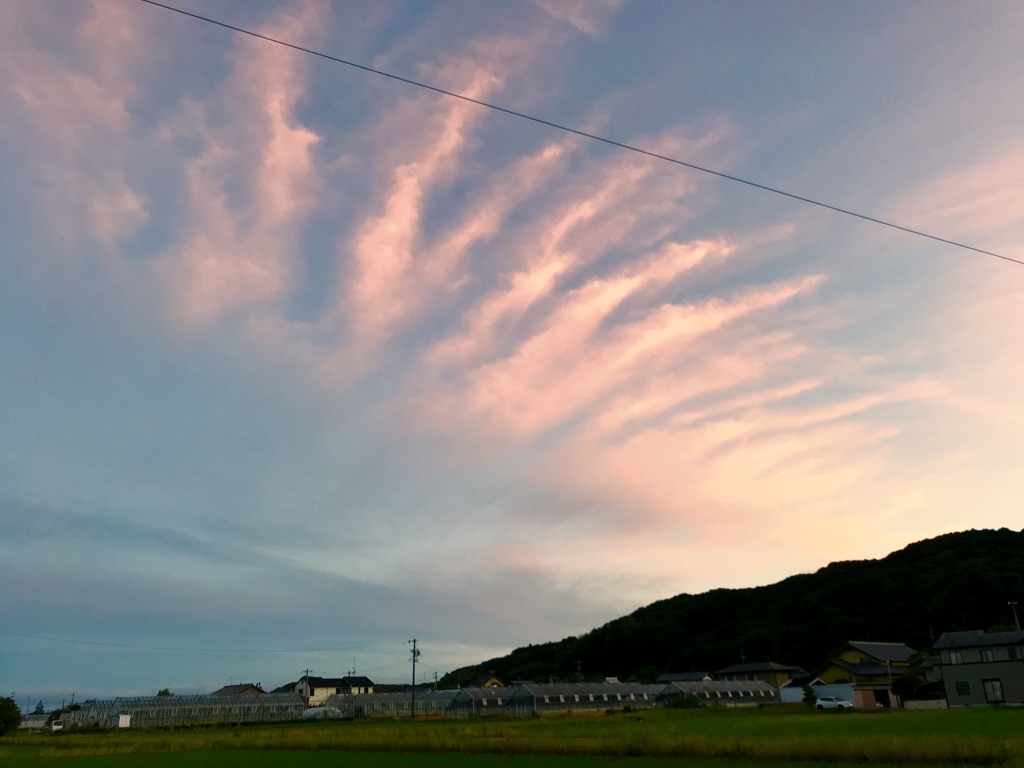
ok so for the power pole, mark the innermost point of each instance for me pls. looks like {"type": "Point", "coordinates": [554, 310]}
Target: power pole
{"type": "Point", "coordinates": [415, 656]}
{"type": "Point", "coordinates": [1013, 606]}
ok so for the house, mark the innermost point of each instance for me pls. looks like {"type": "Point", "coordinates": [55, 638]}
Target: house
{"type": "Point", "coordinates": [242, 689]}
{"type": "Point", "coordinates": [316, 690]}
{"type": "Point", "coordinates": [776, 675]}
{"type": "Point", "coordinates": [870, 668]}
{"type": "Point", "coordinates": [486, 681]}
{"type": "Point", "coordinates": [978, 668]}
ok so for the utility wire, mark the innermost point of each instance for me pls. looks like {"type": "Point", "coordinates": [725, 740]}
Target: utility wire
{"type": "Point", "coordinates": [194, 650]}
{"type": "Point", "coordinates": [584, 134]}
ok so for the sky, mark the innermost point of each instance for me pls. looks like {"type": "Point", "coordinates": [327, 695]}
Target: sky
{"type": "Point", "coordinates": [298, 363]}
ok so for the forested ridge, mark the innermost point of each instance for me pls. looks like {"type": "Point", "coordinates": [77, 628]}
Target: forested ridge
{"type": "Point", "coordinates": [953, 582]}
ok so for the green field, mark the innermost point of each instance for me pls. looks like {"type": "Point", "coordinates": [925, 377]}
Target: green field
{"type": "Point", "coordinates": [701, 738]}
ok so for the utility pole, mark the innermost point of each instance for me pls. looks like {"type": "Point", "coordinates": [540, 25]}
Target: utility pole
{"type": "Point", "coordinates": [415, 656]}
{"type": "Point", "coordinates": [1013, 607]}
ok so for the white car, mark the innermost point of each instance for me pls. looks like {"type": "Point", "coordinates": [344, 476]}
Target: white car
{"type": "Point", "coordinates": [831, 702]}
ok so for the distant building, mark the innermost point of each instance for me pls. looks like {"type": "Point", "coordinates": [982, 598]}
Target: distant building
{"type": "Point", "coordinates": [316, 690]}
{"type": "Point", "coordinates": [486, 681]}
{"type": "Point", "coordinates": [729, 693]}
{"type": "Point", "coordinates": [978, 668]}
{"type": "Point", "coordinates": [242, 689]}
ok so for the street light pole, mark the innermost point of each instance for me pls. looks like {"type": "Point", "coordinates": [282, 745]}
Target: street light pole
{"type": "Point", "coordinates": [1013, 607]}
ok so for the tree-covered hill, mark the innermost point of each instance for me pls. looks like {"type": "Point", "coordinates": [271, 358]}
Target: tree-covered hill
{"type": "Point", "coordinates": [952, 582]}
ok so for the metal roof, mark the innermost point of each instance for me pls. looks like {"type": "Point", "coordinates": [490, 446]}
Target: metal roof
{"type": "Point", "coordinates": [976, 638]}
{"type": "Point", "coordinates": [479, 692]}
{"type": "Point", "coordinates": [724, 686]}
{"type": "Point", "coordinates": [684, 677]}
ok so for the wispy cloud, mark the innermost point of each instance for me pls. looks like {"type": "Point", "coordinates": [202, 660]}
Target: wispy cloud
{"type": "Point", "coordinates": [254, 181]}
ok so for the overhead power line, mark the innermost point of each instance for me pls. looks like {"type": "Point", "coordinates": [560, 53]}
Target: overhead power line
{"type": "Point", "coordinates": [127, 646]}
{"type": "Point", "coordinates": [584, 134]}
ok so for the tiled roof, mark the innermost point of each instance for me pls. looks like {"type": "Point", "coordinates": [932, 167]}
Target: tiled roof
{"type": "Point", "coordinates": [359, 681]}
{"type": "Point", "coordinates": [883, 651]}
{"type": "Point", "coordinates": [339, 682]}
{"type": "Point", "coordinates": [235, 690]}
{"type": "Point", "coordinates": [976, 638]}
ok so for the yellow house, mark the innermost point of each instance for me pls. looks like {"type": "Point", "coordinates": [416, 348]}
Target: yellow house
{"type": "Point", "coordinates": [871, 668]}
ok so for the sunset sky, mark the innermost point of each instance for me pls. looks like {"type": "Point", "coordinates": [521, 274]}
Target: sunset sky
{"type": "Point", "coordinates": [298, 362]}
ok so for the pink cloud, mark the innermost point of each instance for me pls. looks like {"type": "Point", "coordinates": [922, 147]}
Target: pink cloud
{"type": "Point", "coordinates": [590, 217]}
{"type": "Point", "coordinates": [588, 16]}
{"type": "Point", "coordinates": [238, 252]}
{"type": "Point", "coordinates": [565, 367]}
{"type": "Point", "coordinates": [384, 246]}
{"type": "Point", "coordinates": [978, 199]}
{"type": "Point", "coordinates": [74, 101]}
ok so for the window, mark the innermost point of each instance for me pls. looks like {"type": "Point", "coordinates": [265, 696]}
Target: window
{"type": "Point", "coordinates": [591, 697]}
{"type": "Point", "coordinates": [483, 702]}
{"type": "Point", "coordinates": [986, 654]}
{"type": "Point", "coordinates": [312, 691]}
{"type": "Point", "coordinates": [577, 697]}
{"type": "Point", "coordinates": [547, 700]}
{"type": "Point", "coordinates": [963, 688]}
{"type": "Point", "coordinates": [561, 699]}
{"type": "Point", "coordinates": [993, 691]}
{"type": "Point", "coordinates": [605, 696]}
{"type": "Point", "coordinates": [955, 657]}
{"type": "Point", "coordinates": [645, 697]}
{"type": "Point", "coordinates": [499, 702]}
{"type": "Point", "coordinates": [618, 696]}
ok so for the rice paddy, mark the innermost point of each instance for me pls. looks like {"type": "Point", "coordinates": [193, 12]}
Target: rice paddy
{"type": "Point", "coordinates": [704, 738]}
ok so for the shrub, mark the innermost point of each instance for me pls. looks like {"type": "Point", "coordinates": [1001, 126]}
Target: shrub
{"type": "Point", "coordinates": [810, 697]}
{"type": "Point", "coordinates": [10, 715]}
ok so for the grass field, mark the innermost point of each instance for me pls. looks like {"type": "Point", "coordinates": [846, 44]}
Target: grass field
{"type": "Point", "coordinates": [705, 738]}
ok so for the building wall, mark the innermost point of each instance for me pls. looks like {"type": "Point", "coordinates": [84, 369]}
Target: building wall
{"type": "Point", "coordinates": [833, 673]}
{"type": "Point", "coordinates": [965, 682]}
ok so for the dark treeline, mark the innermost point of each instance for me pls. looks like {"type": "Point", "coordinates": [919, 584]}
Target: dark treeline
{"type": "Point", "coordinates": [952, 582]}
